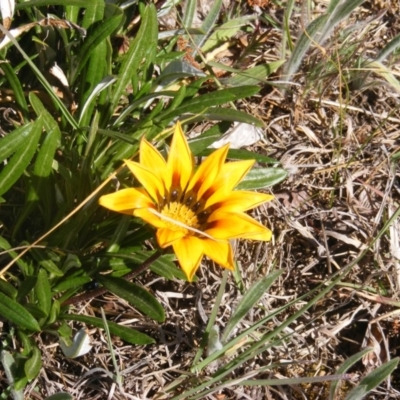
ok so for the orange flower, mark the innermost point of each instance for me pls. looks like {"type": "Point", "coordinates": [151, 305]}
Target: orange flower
{"type": "Point", "coordinates": [194, 211]}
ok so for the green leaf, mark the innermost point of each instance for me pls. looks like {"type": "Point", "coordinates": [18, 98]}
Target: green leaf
{"type": "Point", "coordinates": [70, 283]}
{"type": "Point", "coordinates": [225, 31]}
{"type": "Point", "coordinates": [125, 333]}
{"type": "Point", "coordinates": [303, 44]}
{"type": "Point", "coordinates": [344, 367]}
{"type": "Point", "coordinates": [16, 87]}
{"type": "Point", "coordinates": [43, 292]}
{"type": "Point", "coordinates": [259, 178]}
{"type": "Point", "coordinates": [21, 159]}
{"type": "Point", "coordinates": [10, 370]}
{"type": "Point", "coordinates": [373, 379]}
{"type": "Point", "coordinates": [144, 42]}
{"type": "Point", "coordinates": [43, 257]}
{"type": "Point", "coordinates": [54, 311]}
{"type": "Point", "coordinates": [200, 143]}
{"type": "Point", "coordinates": [202, 103]}
{"type": "Point", "coordinates": [252, 76]}
{"type": "Point", "coordinates": [12, 141]}
{"type": "Point", "coordinates": [135, 295]}
{"type": "Point", "coordinates": [95, 37]}
{"type": "Point", "coordinates": [34, 364]}
{"type": "Point", "coordinates": [17, 314]}
{"type": "Point", "coordinates": [249, 300]}
{"type": "Point", "coordinates": [207, 24]}
{"type": "Point", "coordinates": [8, 289]}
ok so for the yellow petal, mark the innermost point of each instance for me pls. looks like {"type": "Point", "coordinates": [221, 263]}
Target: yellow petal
{"type": "Point", "coordinates": [228, 178]}
{"type": "Point", "coordinates": [237, 201]}
{"type": "Point", "coordinates": [205, 176]}
{"type": "Point", "coordinates": [166, 237]}
{"type": "Point", "coordinates": [150, 182]}
{"type": "Point", "coordinates": [222, 225]}
{"type": "Point", "coordinates": [126, 200]}
{"type": "Point", "coordinates": [189, 251]}
{"type": "Point", "coordinates": [180, 160]}
{"type": "Point", "coordinates": [151, 158]}
{"type": "Point", "coordinates": [151, 218]}
{"type": "Point", "coordinates": [220, 252]}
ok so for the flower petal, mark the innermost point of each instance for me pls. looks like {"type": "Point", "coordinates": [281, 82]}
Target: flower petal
{"type": "Point", "coordinates": [237, 201]}
{"type": "Point", "coordinates": [228, 178]}
{"type": "Point", "coordinates": [205, 176]}
{"type": "Point", "coordinates": [151, 218]}
{"type": "Point", "coordinates": [166, 237]}
{"type": "Point", "coordinates": [151, 158]}
{"type": "Point", "coordinates": [126, 200]}
{"type": "Point", "coordinates": [180, 160]}
{"type": "Point", "coordinates": [220, 252]}
{"type": "Point", "coordinates": [189, 251]}
{"type": "Point", "coordinates": [150, 182]}
{"type": "Point", "coordinates": [223, 225]}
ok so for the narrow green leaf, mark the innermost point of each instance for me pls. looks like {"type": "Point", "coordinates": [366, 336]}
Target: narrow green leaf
{"type": "Point", "coordinates": [189, 10]}
{"type": "Point", "coordinates": [135, 295]}
{"type": "Point", "coordinates": [217, 98]}
{"type": "Point", "coordinates": [392, 46]}
{"type": "Point", "coordinates": [253, 76]}
{"type": "Point", "coordinates": [21, 159]}
{"type": "Point", "coordinates": [8, 289]}
{"type": "Point", "coordinates": [71, 283]}
{"type": "Point", "coordinates": [34, 364]}
{"type": "Point", "coordinates": [10, 143]}
{"type": "Point", "coordinates": [44, 259]}
{"type": "Point", "coordinates": [16, 87]}
{"type": "Point", "coordinates": [17, 314]}
{"type": "Point", "coordinates": [41, 3]}
{"type": "Point", "coordinates": [303, 44]}
{"type": "Point", "coordinates": [208, 24]}
{"type": "Point", "coordinates": [43, 291]}
{"type": "Point", "coordinates": [249, 300]}
{"type": "Point", "coordinates": [94, 12]}
{"type": "Point", "coordinates": [224, 32]}
{"type": "Point", "coordinates": [344, 367]}
{"type": "Point", "coordinates": [10, 370]}
{"type": "Point", "coordinates": [49, 89]}
{"type": "Point", "coordinates": [125, 333]}
{"type": "Point", "coordinates": [144, 42]}
{"type": "Point", "coordinates": [259, 178]}
{"type": "Point", "coordinates": [54, 311]}
{"type": "Point", "coordinates": [102, 31]}
{"type": "Point", "coordinates": [227, 114]}
{"type": "Point", "coordinates": [373, 379]}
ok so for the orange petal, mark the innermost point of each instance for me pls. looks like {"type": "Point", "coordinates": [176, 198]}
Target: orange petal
{"type": "Point", "coordinates": [205, 176]}
{"type": "Point", "coordinates": [222, 225]}
{"type": "Point", "coordinates": [220, 252]}
{"type": "Point", "coordinates": [151, 158]}
{"type": "Point", "coordinates": [126, 201]}
{"type": "Point", "coordinates": [180, 160]}
{"type": "Point", "coordinates": [146, 215]}
{"type": "Point", "coordinates": [229, 177]}
{"type": "Point", "coordinates": [166, 236]}
{"type": "Point", "coordinates": [150, 182]}
{"type": "Point", "coordinates": [189, 251]}
{"type": "Point", "coordinates": [237, 201]}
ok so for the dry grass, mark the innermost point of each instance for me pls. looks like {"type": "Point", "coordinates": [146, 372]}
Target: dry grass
{"type": "Point", "coordinates": [337, 143]}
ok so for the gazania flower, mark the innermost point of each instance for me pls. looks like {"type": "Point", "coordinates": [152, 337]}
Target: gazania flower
{"type": "Point", "coordinates": [196, 212]}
